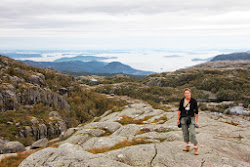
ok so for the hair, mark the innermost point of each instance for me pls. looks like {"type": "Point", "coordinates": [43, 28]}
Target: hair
{"type": "Point", "coordinates": [187, 89]}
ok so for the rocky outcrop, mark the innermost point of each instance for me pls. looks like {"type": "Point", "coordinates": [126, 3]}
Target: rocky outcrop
{"type": "Point", "coordinates": [68, 155]}
{"type": "Point", "coordinates": [12, 99]}
{"type": "Point", "coordinates": [25, 85]}
{"type": "Point", "coordinates": [222, 141]}
{"type": "Point", "coordinates": [39, 130]}
{"type": "Point", "coordinates": [40, 143]}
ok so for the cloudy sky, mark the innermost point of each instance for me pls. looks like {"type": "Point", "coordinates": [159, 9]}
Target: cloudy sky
{"type": "Point", "coordinates": [119, 24]}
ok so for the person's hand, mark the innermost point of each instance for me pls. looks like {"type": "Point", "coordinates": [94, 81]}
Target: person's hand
{"type": "Point", "coordinates": [178, 122]}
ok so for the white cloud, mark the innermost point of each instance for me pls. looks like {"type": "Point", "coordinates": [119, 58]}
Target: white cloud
{"type": "Point", "coordinates": [123, 20]}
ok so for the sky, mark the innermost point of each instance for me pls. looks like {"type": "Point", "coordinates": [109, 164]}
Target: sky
{"type": "Point", "coordinates": [123, 24]}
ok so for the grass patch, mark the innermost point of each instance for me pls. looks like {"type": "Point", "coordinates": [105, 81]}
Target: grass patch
{"type": "Point", "coordinates": [122, 144]}
{"type": "Point", "coordinates": [163, 130]}
{"type": "Point", "coordinates": [156, 105]}
{"type": "Point", "coordinates": [107, 132]}
{"type": "Point", "coordinates": [232, 123]}
{"type": "Point", "coordinates": [128, 120]}
{"type": "Point", "coordinates": [144, 130]}
{"type": "Point", "coordinates": [14, 161]}
{"type": "Point", "coordinates": [162, 140]}
{"type": "Point", "coordinates": [164, 117]}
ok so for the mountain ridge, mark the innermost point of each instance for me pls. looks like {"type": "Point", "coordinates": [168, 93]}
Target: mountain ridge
{"type": "Point", "coordinates": [232, 56]}
{"type": "Point", "coordinates": [92, 66]}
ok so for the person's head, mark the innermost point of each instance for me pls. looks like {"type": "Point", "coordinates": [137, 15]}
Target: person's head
{"type": "Point", "coordinates": [187, 93]}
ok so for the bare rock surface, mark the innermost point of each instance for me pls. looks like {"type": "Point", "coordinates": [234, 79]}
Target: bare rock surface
{"type": "Point", "coordinates": [223, 140]}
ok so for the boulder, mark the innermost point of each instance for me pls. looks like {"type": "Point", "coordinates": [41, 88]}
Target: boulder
{"type": "Point", "coordinates": [40, 143]}
{"type": "Point", "coordinates": [14, 146]}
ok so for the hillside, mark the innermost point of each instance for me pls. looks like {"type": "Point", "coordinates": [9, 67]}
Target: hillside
{"type": "Point", "coordinates": [84, 65]}
{"type": "Point", "coordinates": [211, 81]}
{"type": "Point", "coordinates": [232, 56]}
{"type": "Point", "coordinates": [38, 103]}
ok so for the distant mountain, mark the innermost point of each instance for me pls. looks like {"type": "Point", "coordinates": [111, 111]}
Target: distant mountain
{"type": "Point", "coordinates": [199, 59]}
{"type": "Point", "coordinates": [90, 67]}
{"type": "Point", "coordinates": [82, 58]}
{"type": "Point", "coordinates": [232, 56]}
{"type": "Point", "coordinates": [117, 67]}
{"type": "Point", "coordinates": [74, 66]}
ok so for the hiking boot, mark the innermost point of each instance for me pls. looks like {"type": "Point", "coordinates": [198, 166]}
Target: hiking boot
{"type": "Point", "coordinates": [186, 148]}
{"type": "Point", "coordinates": [196, 151]}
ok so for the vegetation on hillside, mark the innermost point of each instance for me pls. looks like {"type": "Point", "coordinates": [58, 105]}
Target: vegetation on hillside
{"type": "Point", "coordinates": [225, 83]}
{"type": "Point", "coordinates": [16, 113]}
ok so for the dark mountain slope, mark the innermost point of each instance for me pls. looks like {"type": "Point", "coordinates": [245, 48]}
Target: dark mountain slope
{"type": "Point", "coordinates": [73, 66]}
{"type": "Point", "coordinates": [232, 56]}
{"type": "Point", "coordinates": [117, 67]}
{"type": "Point", "coordinates": [90, 67]}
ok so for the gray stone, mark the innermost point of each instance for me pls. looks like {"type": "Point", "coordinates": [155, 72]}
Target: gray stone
{"type": "Point", "coordinates": [92, 132]}
{"type": "Point", "coordinates": [14, 146]}
{"type": "Point", "coordinates": [68, 133]}
{"type": "Point", "coordinates": [54, 114]}
{"type": "Point", "coordinates": [111, 126]}
{"type": "Point", "coordinates": [77, 139]}
{"type": "Point", "coordinates": [127, 130]}
{"type": "Point", "coordinates": [40, 143]}
{"type": "Point", "coordinates": [220, 143]}
{"type": "Point", "coordinates": [102, 142]}
{"type": "Point", "coordinates": [137, 155]}
{"type": "Point", "coordinates": [38, 158]}
{"type": "Point", "coordinates": [34, 120]}
{"type": "Point", "coordinates": [169, 136]}
{"type": "Point", "coordinates": [68, 154]}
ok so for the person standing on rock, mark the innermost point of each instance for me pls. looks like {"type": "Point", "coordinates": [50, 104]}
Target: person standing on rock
{"type": "Point", "coordinates": [187, 118]}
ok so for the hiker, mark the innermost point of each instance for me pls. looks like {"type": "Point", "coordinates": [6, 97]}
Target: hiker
{"type": "Point", "coordinates": [187, 119]}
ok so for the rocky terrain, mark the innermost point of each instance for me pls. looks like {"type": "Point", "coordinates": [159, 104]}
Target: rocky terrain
{"type": "Point", "coordinates": [25, 94]}
{"type": "Point", "coordinates": [40, 104]}
{"type": "Point", "coordinates": [60, 120]}
{"type": "Point", "coordinates": [95, 66]}
{"type": "Point", "coordinates": [140, 135]}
